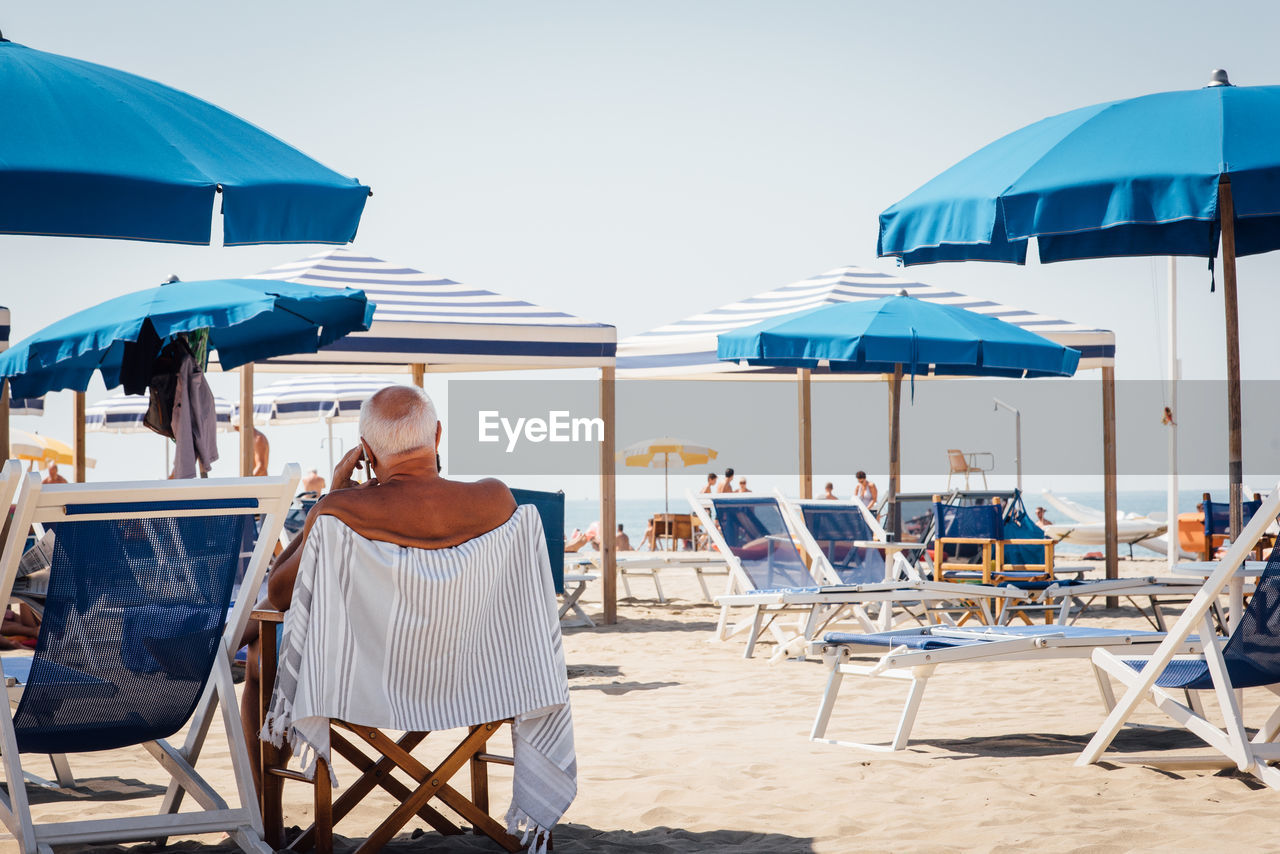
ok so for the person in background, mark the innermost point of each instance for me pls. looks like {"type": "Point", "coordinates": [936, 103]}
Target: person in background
{"type": "Point", "coordinates": [726, 485]}
{"type": "Point", "coordinates": [622, 543]}
{"type": "Point", "coordinates": [52, 476]}
{"type": "Point", "coordinates": [312, 482]}
{"type": "Point", "coordinates": [261, 452]}
{"type": "Point", "coordinates": [1040, 517]}
{"type": "Point", "coordinates": [742, 485]}
{"type": "Point", "coordinates": [711, 484]}
{"type": "Point", "coordinates": [829, 494]}
{"type": "Point", "coordinates": [865, 491]}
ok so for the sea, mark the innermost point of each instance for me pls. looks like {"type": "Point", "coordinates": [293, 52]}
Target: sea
{"type": "Point", "coordinates": [634, 513]}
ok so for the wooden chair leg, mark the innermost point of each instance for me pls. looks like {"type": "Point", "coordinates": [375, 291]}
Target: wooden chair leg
{"type": "Point", "coordinates": [324, 809]}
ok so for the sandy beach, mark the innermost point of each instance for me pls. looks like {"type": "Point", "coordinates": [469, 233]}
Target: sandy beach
{"type": "Point", "coordinates": [684, 746]}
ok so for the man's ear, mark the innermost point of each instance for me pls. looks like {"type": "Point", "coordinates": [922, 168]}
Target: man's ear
{"type": "Point", "coordinates": [368, 453]}
{"type": "Point", "coordinates": [439, 433]}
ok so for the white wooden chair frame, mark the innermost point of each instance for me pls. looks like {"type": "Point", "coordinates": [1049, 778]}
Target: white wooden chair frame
{"type": "Point", "coordinates": [1233, 746]}
{"type": "Point", "coordinates": [819, 608]}
{"type": "Point", "coordinates": [651, 565]}
{"type": "Point", "coordinates": [48, 503]}
{"type": "Point", "coordinates": [916, 666]}
{"type": "Point", "coordinates": [1074, 599]}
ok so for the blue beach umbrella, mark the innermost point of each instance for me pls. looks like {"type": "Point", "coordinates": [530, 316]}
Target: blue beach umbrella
{"type": "Point", "coordinates": [90, 151]}
{"type": "Point", "coordinates": [893, 335]}
{"type": "Point", "coordinates": [1172, 173]}
{"type": "Point", "coordinates": [247, 319]}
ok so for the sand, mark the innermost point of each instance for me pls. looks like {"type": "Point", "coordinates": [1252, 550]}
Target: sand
{"type": "Point", "coordinates": [684, 746]}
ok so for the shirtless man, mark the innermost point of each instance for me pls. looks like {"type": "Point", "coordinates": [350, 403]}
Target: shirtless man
{"type": "Point", "coordinates": [261, 452]}
{"type": "Point", "coordinates": [405, 502]}
{"type": "Point", "coordinates": [726, 485]}
{"type": "Point", "coordinates": [53, 476]}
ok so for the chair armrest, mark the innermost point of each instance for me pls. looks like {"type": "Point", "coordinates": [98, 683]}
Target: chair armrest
{"type": "Point", "coordinates": [971, 540]}
{"type": "Point", "coordinates": [267, 615]}
{"type": "Point", "coordinates": [1031, 542]}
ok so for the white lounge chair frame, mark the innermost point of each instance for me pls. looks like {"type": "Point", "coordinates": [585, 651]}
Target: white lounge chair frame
{"type": "Point", "coordinates": [822, 606]}
{"type": "Point", "coordinates": [1230, 740]}
{"type": "Point", "coordinates": [917, 666]}
{"type": "Point", "coordinates": [49, 503]}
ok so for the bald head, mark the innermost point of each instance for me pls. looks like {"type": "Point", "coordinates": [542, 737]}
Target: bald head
{"type": "Point", "coordinates": [398, 419]}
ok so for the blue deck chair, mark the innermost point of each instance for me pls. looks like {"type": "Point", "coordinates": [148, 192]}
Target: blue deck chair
{"type": "Point", "coordinates": [835, 527]}
{"type": "Point", "coordinates": [136, 640]}
{"type": "Point", "coordinates": [1217, 523]}
{"type": "Point", "coordinates": [1250, 658]}
{"type": "Point", "coordinates": [550, 507]}
{"type": "Point", "coordinates": [970, 547]}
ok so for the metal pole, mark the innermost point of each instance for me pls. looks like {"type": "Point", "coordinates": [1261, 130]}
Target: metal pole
{"type": "Point", "coordinates": [1171, 501]}
{"type": "Point", "coordinates": [1017, 436]}
{"type": "Point", "coordinates": [329, 421]}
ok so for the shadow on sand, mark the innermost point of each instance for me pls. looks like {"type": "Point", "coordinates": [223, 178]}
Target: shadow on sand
{"type": "Point", "coordinates": [578, 839]}
{"type": "Point", "coordinates": [97, 789]}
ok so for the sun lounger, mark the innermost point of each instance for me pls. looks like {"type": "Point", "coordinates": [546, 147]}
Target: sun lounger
{"type": "Point", "coordinates": [1249, 658]}
{"type": "Point", "coordinates": [135, 642]}
{"type": "Point", "coordinates": [913, 655]}
{"type": "Point", "coordinates": [651, 565]}
{"type": "Point", "coordinates": [769, 576]}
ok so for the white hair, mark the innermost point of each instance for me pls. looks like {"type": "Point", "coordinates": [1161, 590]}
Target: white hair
{"type": "Point", "coordinates": [405, 422]}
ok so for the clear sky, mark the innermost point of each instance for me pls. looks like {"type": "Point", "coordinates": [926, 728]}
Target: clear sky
{"type": "Point", "coordinates": [638, 162]}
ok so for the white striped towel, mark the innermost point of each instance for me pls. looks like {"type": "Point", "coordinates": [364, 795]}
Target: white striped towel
{"type": "Point", "coordinates": [432, 639]}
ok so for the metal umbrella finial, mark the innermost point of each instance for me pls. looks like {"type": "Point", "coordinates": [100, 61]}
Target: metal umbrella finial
{"type": "Point", "coordinates": [1218, 78]}
{"type": "Point", "coordinates": [903, 293]}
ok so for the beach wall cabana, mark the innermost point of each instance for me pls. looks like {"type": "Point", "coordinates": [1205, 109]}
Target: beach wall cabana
{"type": "Point", "coordinates": [429, 324]}
{"type": "Point", "coordinates": [686, 349]}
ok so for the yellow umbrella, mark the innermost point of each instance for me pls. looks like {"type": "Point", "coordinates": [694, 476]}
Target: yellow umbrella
{"type": "Point", "coordinates": [42, 450]}
{"type": "Point", "coordinates": [663, 454]}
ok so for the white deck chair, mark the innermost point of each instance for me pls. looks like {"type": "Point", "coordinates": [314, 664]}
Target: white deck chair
{"type": "Point", "coordinates": [141, 578]}
{"type": "Point", "coordinates": [771, 575]}
{"type": "Point", "coordinates": [914, 655]}
{"type": "Point", "coordinates": [1250, 657]}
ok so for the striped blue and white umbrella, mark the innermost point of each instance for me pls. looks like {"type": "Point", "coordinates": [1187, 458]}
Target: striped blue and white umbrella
{"type": "Point", "coordinates": [687, 348]}
{"type": "Point", "coordinates": [332, 399]}
{"type": "Point", "coordinates": [442, 324]}
{"type": "Point", "coordinates": [306, 399]}
{"type": "Point", "coordinates": [123, 413]}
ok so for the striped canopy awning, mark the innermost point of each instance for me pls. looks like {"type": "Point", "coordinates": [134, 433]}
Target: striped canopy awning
{"type": "Point", "coordinates": [126, 413]}
{"type": "Point", "coordinates": [443, 324]}
{"type": "Point", "coordinates": [686, 349]}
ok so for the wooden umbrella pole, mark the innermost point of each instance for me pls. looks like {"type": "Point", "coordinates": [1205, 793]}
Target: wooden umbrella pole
{"type": "Point", "coordinates": [246, 420]}
{"type": "Point", "coordinates": [608, 504]}
{"type": "Point", "coordinates": [895, 440]}
{"type": "Point", "coordinates": [78, 429]}
{"type": "Point", "coordinates": [805, 401]}
{"type": "Point", "coordinates": [418, 371]}
{"type": "Point", "coordinates": [4, 420]}
{"type": "Point", "coordinates": [1235, 442]}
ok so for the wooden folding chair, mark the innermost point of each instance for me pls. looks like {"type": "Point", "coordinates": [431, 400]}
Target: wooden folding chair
{"type": "Point", "coordinates": [392, 754]}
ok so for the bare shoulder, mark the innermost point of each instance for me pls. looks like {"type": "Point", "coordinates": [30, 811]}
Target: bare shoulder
{"type": "Point", "coordinates": [494, 495]}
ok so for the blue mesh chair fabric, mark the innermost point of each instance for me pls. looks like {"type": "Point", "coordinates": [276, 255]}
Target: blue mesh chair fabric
{"type": "Point", "coordinates": [132, 624]}
{"type": "Point", "coordinates": [954, 520]}
{"type": "Point", "coordinates": [1251, 654]}
{"type": "Point", "coordinates": [1217, 516]}
{"type": "Point", "coordinates": [757, 534]}
{"type": "Point", "coordinates": [835, 529]}
{"type": "Point", "coordinates": [550, 507]}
